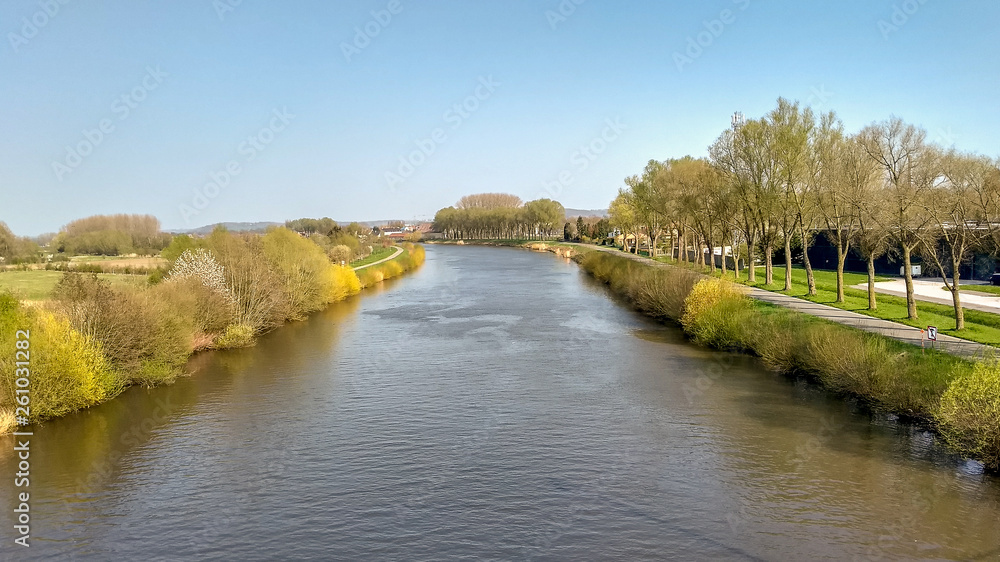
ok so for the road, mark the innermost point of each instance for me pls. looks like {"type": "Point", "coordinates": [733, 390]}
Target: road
{"type": "Point", "coordinates": [929, 290]}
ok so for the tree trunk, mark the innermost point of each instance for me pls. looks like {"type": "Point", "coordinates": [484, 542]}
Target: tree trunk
{"type": "Point", "coordinates": [841, 258]}
{"type": "Point", "coordinates": [723, 252]}
{"type": "Point", "coordinates": [956, 296]}
{"type": "Point", "coordinates": [736, 257]}
{"type": "Point", "coordinates": [751, 258]}
{"type": "Point", "coordinates": [788, 263]}
{"type": "Point", "coordinates": [911, 302]}
{"type": "Point", "coordinates": [810, 278]}
{"type": "Point", "coordinates": [768, 264]}
{"type": "Point", "coordinates": [711, 254]}
{"type": "Point", "coordinates": [872, 305]}
{"type": "Point", "coordinates": [959, 311]}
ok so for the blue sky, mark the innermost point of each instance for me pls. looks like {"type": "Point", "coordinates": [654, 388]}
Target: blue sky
{"type": "Point", "coordinates": [258, 113]}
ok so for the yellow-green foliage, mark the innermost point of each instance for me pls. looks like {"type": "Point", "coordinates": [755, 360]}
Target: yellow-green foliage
{"type": "Point", "coordinates": [140, 334]}
{"type": "Point", "coordinates": [969, 416]}
{"type": "Point", "coordinates": [412, 257]}
{"type": "Point", "coordinates": [659, 292]}
{"type": "Point", "coordinates": [68, 370]}
{"type": "Point", "coordinates": [303, 269]}
{"type": "Point", "coordinates": [98, 339]}
{"type": "Point", "coordinates": [716, 313]}
{"type": "Point", "coordinates": [344, 282]}
{"type": "Point", "coordinates": [236, 335]}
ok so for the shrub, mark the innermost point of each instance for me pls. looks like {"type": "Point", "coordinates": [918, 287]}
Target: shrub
{"type": "Point", "coordinates": [236, 335]}
{"type": "Point", "coordinates": [71, 373]}
{"type": "Point", "coordinates": [344, 283]}
{"type": "Point", "coordinates": [969, 415]}
{"type": "Point", "coordinates": [139, 334]}
{"type": "Point", "coordinates": [208, 310]}
{"type": "Point", "coordinates": [340, 254]}
{"type": "Point", "coordinates": [261, 301]}
{"type": "Point", "coordinates": [303, 269]}
{"type": "Point", "coordinates": [717, 313]}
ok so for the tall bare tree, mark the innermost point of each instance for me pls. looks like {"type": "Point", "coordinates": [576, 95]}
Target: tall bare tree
{"type": "Point", "coordinates": [899, 150]}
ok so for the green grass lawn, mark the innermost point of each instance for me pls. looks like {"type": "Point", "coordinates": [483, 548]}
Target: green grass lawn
{"type": "Point", "coordinates": [981, 289]}
{"type": "Point", "coordinates": [982, 327]}
{"type": "Point", "coordinates": [38, 284]}
{"type": "Point", "coordinates": [378, 254]}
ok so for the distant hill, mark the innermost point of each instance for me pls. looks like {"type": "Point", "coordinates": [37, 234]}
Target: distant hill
{"type": "Point", "coordinates": [231, 226]}
{"type": "Point", "coordinates": [602, 213]}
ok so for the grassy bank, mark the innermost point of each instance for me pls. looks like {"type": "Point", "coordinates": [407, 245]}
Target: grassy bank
{"type": "Point", "coordinates": [378, 254]}
{"type": "Point", "coordinates": [959, 398]}
{"type": "Point", "coordinates": [981, 327]}
{"type": "Point", "coordinates": [411, 258]}
{"type": "Point", "coordinates": [91, 338]}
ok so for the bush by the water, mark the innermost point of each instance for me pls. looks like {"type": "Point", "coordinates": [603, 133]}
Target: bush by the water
{"type": "Point", "coordinates": [970, 412]}
{"type": "Point", "coordinates": [68, 370]}
{"type": "Point", "coordinates": [412, 257]}
{"type": "Point", "coordinates": [220, 291]}
{"type": "Point", "coordinates": [961, 397]}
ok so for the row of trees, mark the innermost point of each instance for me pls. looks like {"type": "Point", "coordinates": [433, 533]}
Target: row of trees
{"type": "Point", "coordinates": [500, 216]}
{"type": "Point", "coordinates": [112, 235]}
{"type": "Point", "coordinates": [15, 249]}
{"type": "Point", "coordinates": [587, 229]}
{"type": "Point", "coordinates": [791, 175]}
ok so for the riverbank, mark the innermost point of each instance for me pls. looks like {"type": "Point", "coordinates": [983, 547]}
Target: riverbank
{"type": "Point", "coordinates": [93, 339]}
{"type": "Point", "coordinates": [956, 396]}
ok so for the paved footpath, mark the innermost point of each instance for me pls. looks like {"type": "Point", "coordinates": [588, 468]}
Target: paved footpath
{"type": "Point", "coordinates": [930, 290]}
{"type": "Point", "coordinates": [396, 253]}
{"type": "Point", "coordinates": [888, 328]}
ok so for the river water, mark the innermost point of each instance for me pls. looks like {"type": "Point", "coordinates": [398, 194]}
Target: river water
{"type": "Point", "coordinates": [494, 404]}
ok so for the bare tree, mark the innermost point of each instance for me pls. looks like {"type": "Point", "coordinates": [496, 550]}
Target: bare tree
{"type": "Point", "coordinates": [898, 149]}
{"type": "Point", "coordinates": [791, 129]}
{"type": "Point", "coordinates": [952, 203]}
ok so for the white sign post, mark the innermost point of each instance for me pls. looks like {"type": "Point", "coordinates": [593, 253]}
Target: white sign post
{"type": "Point", "coordinates": [932, 334]}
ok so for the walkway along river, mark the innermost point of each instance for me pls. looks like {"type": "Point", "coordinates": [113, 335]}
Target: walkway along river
{"type": "Point", "coordinates": [497, 404]}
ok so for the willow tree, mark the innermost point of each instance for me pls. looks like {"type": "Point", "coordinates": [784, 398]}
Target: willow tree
{"type": "Point", "coordinates": [745, 158]}
{"type": "Point", "coordinates": [791, 128]}
{"type": "Point", "coordinates": [901, 152]}
{"type": "Point", "coordinates": [957, 218]}
{"type": "Point", "coordinates": [622, 213]}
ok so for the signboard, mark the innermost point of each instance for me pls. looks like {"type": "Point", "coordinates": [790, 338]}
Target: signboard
{"type": "Point", "coordinates": [932, 333]}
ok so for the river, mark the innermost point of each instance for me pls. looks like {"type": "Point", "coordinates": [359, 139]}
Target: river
{"type": "Point", "coordinates": [494, 404]}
